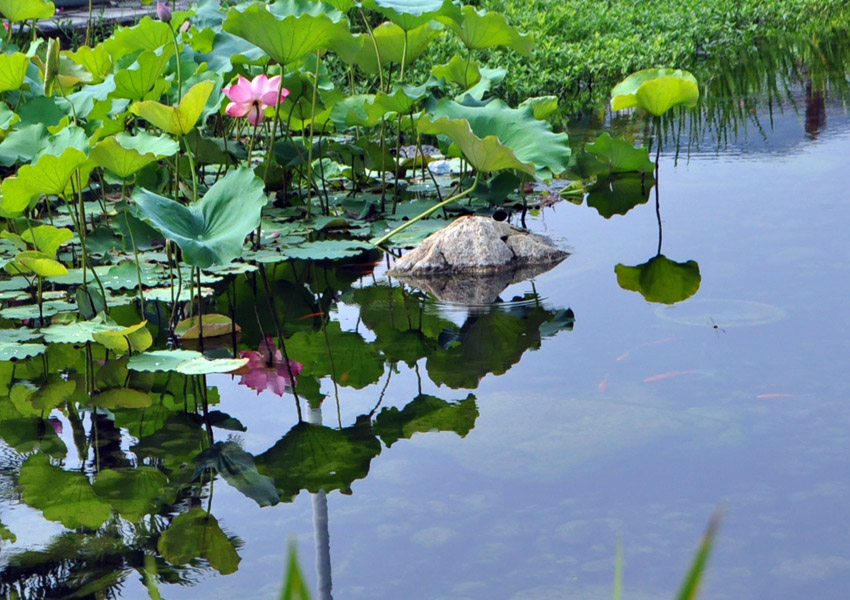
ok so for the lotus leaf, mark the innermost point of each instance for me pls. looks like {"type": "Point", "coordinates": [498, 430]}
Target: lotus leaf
{"type": "Point", "coordinates": [36, 262]}
{"type": "Point", "coordinates": [103, 330]}
{"type": "Point", "coordinates": [178, 120]}
{"type": "Point", "coordinates": [47, 238]}
{"type": "Point", "coordinates": [161, 360]}
{"type": "Point", "coordinates": [212, 230]}
{"type": "Point", "coordinates": [121, 397]}
{"type": "Point", "coordinates": [134, 493]}
{"type": "Point", "coordinates": [18, 351]}
{"type": "Point", "coordinates": [148, 34]}
{"type": "Point", "coordinates": [197, 534]}
{"type": "Point", "coordinates": [661, 279]}
{"type": "Point", "coordinates": [541, 106]}
{"type": "Point", "coordinates": [144, 80]}
{"type": "Point", "coordinates": [617, 195]}
{"type": "Point", "coordinates": [619, 156]}
{"type": "Point", "coordinates": [390, 39]}
{"type": "Point", "coordinates": [458, 71]}
{"type": "Point", "coordinates": [13, 70]}
{"type": "Point", "coordinates": [290, 29]}
{"type": "Point", "coordinates": [317, 458]}
{"type": "Point", "coordinates": [50, 175]}
{"type": "Point", "coordinates": [96, 60]}
{"type": "Point", "coordinates": [656, 91]}
{"type": "Point", "coordinates": [327, 250]}
{"type": "Point", "coordinates": [64, 496]}
{"type": "Point", "coordinates": [409, 14]}
{"type": "Point", "coordinates": [426, 413]}
{"type": "Point", "coordinates": [24, 10]}
{"type": "Point", "coordinates": [497, 137]}
{"type": "Point", "coordinates": [238, 469]}
{"type": "Point", "coordinates": [481, 29]}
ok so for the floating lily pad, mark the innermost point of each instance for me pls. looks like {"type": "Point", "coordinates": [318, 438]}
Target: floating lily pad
{"type": "Point", "coordinates": [18, 351]}
{"type": "Point", "coordinates": [48, 309]}
{"type": "Point", "coordinates": [327, 250]}
{"type": "Point", "coordinates": [661, 279]}
{"type": "Point", "coordinates": [161, 360]}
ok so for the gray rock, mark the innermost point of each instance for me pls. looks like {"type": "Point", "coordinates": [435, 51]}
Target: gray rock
{"type": "Point", "coordinates": [474, 259]}
{"type": "Point", "coordinates": [478, 245]}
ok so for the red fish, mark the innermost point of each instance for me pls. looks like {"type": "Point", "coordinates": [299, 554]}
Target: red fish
{"type": "Point", "coordinates": [668, 375]}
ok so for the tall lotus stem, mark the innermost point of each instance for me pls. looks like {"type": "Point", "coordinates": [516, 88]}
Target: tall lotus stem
{"type": "Point", "coordinates": [428, 212]}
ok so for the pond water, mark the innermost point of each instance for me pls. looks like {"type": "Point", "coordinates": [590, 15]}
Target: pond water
{"type": "Point", "coordinates": [513, 446]}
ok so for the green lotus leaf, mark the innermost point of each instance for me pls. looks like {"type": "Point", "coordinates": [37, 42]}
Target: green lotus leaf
{"type": "Point", "coordinates": [318, 458]}
{"type": "Point", "coordinates": [197, 534]}
{"type": "Point", "coordinates": [34, 311]}
{"type": "Point", "coordinates": [134, 493]}
{"type": "Point", "coordinates": [159, 146]}
{"type": "Point", "coordinates": [350, 360]}
{"type": "Point", "coordinates": [541, 106]}
{"type": "Point", "coordinates": [656, 91]}
{"type": "Point", "coordinates": [178, 120]}
{"type": "Point", "coordinates": [144, 81]}
{"type": "Point", "coordinates": [327, 250]}
{"type": "Point", "coordinates": [135, 338]}
{"type": "Point", "coordinates": [619, 155]}
{"type": "Point", "coordinates": [96, 60]}
{"type": "Point", "coordinates": [355, 111]}
{"type": "Point", "coordinates": [118, 160]}
{"type": "Point", "coordinates": [401, 100]}
{"type": "Point", "coordinates": [70, 136]}
{"type": "Point", "coordinates": [290, 29]}
{"type": "Point", "coordinates": [161, 360]}
{"type": "Point", "coordinates": [36, 262]}
{"type": "Point", "coordinates": [618, 195]}
{"type": "Point", "coordinates": [24, 10]}
{"type": "Point", "coordinates": [498, 137]}
{"type": "Point", "coordinates": [213, 229]}
{"type": "Point", "coordinates": [64, 496]}
{"type": "Point", "coordinates": [50, 175]}
{"type": "Point", "coordinates": [122, 397]}
{"type": "Point", "coordinates": [102, 329]}
{"type": "Point", "coordinates": [389, 38]}
{"type": "Point", "coordinates": [48, 397]}
{"type": "Point", "coordinates": [205, 366]}
{"type": "Point", "coordinates": [661, 279]}
{"type": "Point", "coordinates": [8, 118]}
{"type": "Point", "coordinates": [426, 413]}
{"type": "Point", "coordinates": [481, 29]}
{"type": "Point", "coordinates": [22, 144]}
{"type": "Point", "coordinates": [458, 71]}
{"type": "Point", "coordinates": [409, 14]}
{"type": "Point", "coordinates": [47, 238]}
{"type": "Point", "coordinates": [238, 469]}
{"type": "Point", "coordinates": [148, 34]}
{"type": "Point", "coordinates": [17, 351]}
{"type": "Point", "coordinates": [13, 70]}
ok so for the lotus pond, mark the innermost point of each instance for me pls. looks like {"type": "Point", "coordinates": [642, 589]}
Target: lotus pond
{"type": "Point", "coordinates": [203, 360]}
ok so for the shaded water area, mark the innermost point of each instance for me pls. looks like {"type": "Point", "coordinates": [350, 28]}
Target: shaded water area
{"type": "Point", "coordinates": [437, 450]}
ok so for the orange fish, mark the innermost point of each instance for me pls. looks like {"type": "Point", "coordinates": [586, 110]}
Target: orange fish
{"type": "Point", "coordinates": [623, 356]}
{"type": "Point", "coordinates": [668, 375]}
{"type": "Point", "coordinates": [664, 340]}
{"type": "Point", "coordinates": [603, 385]}
{"type": "Point", "coordinates": [768, 396]}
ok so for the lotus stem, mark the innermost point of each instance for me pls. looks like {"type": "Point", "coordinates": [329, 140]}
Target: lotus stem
{"type": "Point", "coordinates": [428, 212]}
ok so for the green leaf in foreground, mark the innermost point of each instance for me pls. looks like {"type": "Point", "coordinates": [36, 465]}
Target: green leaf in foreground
{"type": "Point", "coordinates": [660, 279]}
{"type": "Point", "coordinates": [212, 230]}
{"type": "Point", "coordinates": [690, 587]}
{"type": "Point", "coordinates": [24, 10]}
{"type": "Point", "coordinates": [481, 29]}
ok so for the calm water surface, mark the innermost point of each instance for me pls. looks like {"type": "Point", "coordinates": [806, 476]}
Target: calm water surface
{"type": "Point", "coordinates": [632, 426]}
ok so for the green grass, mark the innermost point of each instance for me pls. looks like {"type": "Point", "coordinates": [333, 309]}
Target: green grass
{"type": "Point", "coordinates": [585, 46]}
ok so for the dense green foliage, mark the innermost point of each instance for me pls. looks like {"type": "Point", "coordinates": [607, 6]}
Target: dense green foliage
{"type": "Point", "coordinates": [586, 45]}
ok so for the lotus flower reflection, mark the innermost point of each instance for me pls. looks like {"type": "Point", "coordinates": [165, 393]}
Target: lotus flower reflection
{"type": "Point", "coordinates": [251, 98]}
{"type": "Point", "coordinates": [268, 369]}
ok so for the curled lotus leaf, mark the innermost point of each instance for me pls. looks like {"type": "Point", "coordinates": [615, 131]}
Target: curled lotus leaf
{"type": "Point", "coordinates": [656, 91]}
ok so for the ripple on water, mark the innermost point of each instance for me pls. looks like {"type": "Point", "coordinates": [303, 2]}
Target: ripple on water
{"type": "Point", "coordinates": [722, 313]}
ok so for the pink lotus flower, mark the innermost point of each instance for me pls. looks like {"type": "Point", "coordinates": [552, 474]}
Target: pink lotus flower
{"type": "Point", "coordinates": [251, 98]}
{"type": "Point", "coordinates": [268, 370]}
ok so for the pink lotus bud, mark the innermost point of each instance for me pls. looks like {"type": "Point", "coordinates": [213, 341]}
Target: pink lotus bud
{"type": "Point", "coordinates": [187, 24]}
{"type": "Point", "coordinates": [163, 12]}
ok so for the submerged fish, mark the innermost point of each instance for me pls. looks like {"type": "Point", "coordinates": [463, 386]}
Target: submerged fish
{"type": "Point", "coordinates": [775, 395]}
{"type": "Point", "coordinates": [668, 375]}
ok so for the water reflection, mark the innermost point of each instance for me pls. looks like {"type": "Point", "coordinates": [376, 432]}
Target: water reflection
{"type": "Point", "coordinates": [150, 448]}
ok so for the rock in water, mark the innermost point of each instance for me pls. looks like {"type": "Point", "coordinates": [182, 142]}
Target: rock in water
{"type": "Point", "coordinates": [474, 259]}
{"type": "Point", "coordinates": [477, 245]}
